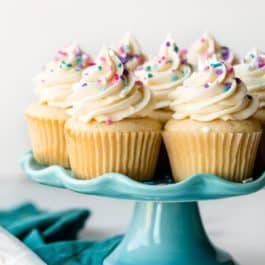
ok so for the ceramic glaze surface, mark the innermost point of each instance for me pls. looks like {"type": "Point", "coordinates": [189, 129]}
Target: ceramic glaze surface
{"type": "Point", "coordinates": [195, 188]}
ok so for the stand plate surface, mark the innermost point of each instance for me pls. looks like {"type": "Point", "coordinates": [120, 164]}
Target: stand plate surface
{"type": "Point", "coordinates": [196, 188]}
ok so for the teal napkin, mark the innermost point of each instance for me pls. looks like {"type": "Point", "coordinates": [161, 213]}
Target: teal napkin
{"type": "Point", "coordinates": [53, 236]}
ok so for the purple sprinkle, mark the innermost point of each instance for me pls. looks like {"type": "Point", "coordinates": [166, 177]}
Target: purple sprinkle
{"type": "Point", "coordinates": [183, 61]}
{"type": "Point", "coordinates": [167, 43]}
{"type": "Point", "coordinates": [125, 59]}
{"type": "Point", "coordinates": [219, 71]}
{"type": "Point", "coordinates": [225, 53]}
{"type": "Point", "coordinates": [238, 81]}
{"type": "Point", "coordinates": [122, 77]}
{"type": "Point", "coordinates": [84, 84]}
{"type": "Point", "coordinates": [228, 84]}
{"type": "Point", "coordinates": [206, 85]}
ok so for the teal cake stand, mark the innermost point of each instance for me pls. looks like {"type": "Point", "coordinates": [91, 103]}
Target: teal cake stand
{"type": "Point", "coordinates": [166, 227]}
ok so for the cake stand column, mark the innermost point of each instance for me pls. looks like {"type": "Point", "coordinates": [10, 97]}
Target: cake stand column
{"type": "Point", "coordinates": [167, 234]}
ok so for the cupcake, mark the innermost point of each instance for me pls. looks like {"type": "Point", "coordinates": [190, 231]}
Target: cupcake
{"type": "Point", "coordinates": [213, 129]}
{"type": "Point", "coordinates": [206, 47]}
{"type": "Point", "coordinates": [163, 74]}
{"type": "Point", "coordinates": [109, 130]}
{"type": "Point", "coordinates": [47, 117]}
{"type": "Point", "coordinates": [130, 53]}
{"type": "Point", "coordinates": [252, 72]}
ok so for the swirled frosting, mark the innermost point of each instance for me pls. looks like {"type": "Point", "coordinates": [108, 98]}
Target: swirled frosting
{"type": "Point", "coordinates": [252, 73]}
{"type": "Point", "coordinates": [213, 93]}
{"type": "Point", "coordinates": [108, 92]}
{"type": "Point", "coordinates": [163, 74]}
{"type": "Point", "coordinates": [130, 52]}
{"type": "Point", "coordinates": [206, 47]}
{"type": "Point", "coordinates": [54, 83]}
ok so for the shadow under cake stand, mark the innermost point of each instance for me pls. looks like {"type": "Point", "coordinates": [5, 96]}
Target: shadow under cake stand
{"type": "Point", "coordinates": [166, 227]}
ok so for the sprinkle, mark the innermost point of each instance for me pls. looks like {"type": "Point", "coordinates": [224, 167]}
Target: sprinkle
{"type": "Point", "coordinates": [121, 50]}
{"type": "Point", "coordinates": [116, 77]}
{"type": "Point", "coordinates": [167, 43]}
{"type": "Point", "coordinates": [99, 67]}
{"type": "Point", "coordinates": [119, 65]}
{"type": "Point", "coordinates": [206, 68]}
{"type": "Point", "coordinates": [62, 53]}
{"type": "Point", "coordinates": [230, 69]}
{"type": "Point", "coordinates": [163, 58]}
{"type": "Point", "coordinates": [215, 65]}
{"type": "Point", "coordinates": [183, 61]}
{"type": "Point", "coordinates": [202, 39]}
{"type": "Point", "coordinates": [102, 58]}
{"type": "Point", "coordinates": [225, 53]}
{"type": "Point", "coordinates": [43, 81]}
{"type": "Point", "coordinates": [56, 59]}
{"type": "Point", "coordinates": [206, 85]}
{"type": "Point", "coordinates": [139, 83]}
{"type": "Point", "coordinates": [219, 71]}
{"type": "Point", "coordinates": [227, 86]}
{"type": "Point", "coordinates": [122, 77]}
{"type": "Point", "coordinates": [149, 75]}
{"type": "Point", "coordinates": [249, 96]}
{"type": "Point", "coordinates": [238, 81]}
{"type": "Point", "coordinates": [84, 84]}
{"type": "Point", "coordinates": [69, 65]}
{"type": "Point", "coordinates": [127, 47]}
{"type": "Point", "coordinates": [252, 55]}
{"type": "Point", "coordinates": [183, 51]}
{"type": "Point", "coordinates": [109, 121]}
{"type": "Point", "coordinates": [148, 68]}
{"type": "Point", "coordinates": [174, 77]}
{"type": "Point", "coordinates": [124, 59]}
{"type": "Point", "coordinates": [169, 61]}
{"type": "Point", "coordinates": [176, 48]}
{"type": "Point", "coordinates": [125, 72]}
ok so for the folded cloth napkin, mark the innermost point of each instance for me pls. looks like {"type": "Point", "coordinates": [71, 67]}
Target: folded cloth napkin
{"type": "Point", "coordinates": [52, 236]}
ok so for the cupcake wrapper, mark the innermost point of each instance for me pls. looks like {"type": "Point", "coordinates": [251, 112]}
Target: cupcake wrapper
{"type": "Point", "coordinates": [229, 155]}
{"type": "Point", "coordinates": [130, 153]}
{"type": "Point", "coordinates": [260, 160]}
{"type": "Point", "coordinates": [48, 141]}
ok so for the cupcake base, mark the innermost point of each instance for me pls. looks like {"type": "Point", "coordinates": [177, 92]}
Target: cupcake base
{"type": "Point", "coordinates": [46, 128]}
{"type": "Point", "coordinates": [224, 148]}
{"type": "Point", "coordinates": [129, 147]}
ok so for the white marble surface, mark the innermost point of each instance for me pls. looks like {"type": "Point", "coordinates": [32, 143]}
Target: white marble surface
{"type": "Point", "coordinates": [235, 224]}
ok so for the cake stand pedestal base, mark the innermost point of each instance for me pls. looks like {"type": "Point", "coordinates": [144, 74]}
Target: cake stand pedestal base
{"type": "Point", "coordinates": [167, 234]}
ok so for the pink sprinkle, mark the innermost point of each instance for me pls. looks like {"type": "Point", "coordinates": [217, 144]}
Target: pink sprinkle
{"type": "Point", "coordinates": [56, 58]}
{"type": "Point", "coordinates": [230, 69]}
{"type": "Point", "coordinates": [103, 59]}
{"type": "Point", "coordinates": [121, 50]}
{"type": "Point", "coordinates": [206, 68]}
{"type": "Point", "coordinates": [202, 39]}
{"type": "Point", "coordinates": [159, 61]}
{"type": "Point", "coordinates": [139, 83]}
{"type": "Point", "coordinates": [43, 81]}
{"type": "Point", "coordinates": [63, 53]}
{"type": "Point", "coordinates": [163, 58]}
{"type": "Point", "coordinates": [207, 55]}
{"type": "Point", "coordinates": [109, 121]}
{"type": "Point", "coordinates": [116, 77]}
{"type": "Point", "coordinates": [99, 81]}
{"type": "Point", "coordinates": [183, 51]}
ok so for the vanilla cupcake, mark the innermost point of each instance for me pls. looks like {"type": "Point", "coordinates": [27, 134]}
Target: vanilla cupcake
{"type": "Point", "coordinates": [46, 118]}
{"type": "Point", "coordinates": [163, 74]}
{"type": "Point", "coordinates": [205, 48]}
{"type": "Point", "coordinates": [252, 72]}
{"type": "Point", "coordinates": [130, 52]}
{"type": "Point", "coordinates": [109, 131]}
{"type": "Point", "coordinates": [213, 129]}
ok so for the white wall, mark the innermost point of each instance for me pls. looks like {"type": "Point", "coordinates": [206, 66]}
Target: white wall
{"type": "Point", "coordinates": [32, 30]}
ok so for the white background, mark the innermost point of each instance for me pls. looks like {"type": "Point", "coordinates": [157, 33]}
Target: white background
{"type": "Point", "coordinates": [31, 31]}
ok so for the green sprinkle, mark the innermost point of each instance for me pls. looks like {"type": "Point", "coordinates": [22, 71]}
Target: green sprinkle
{"type": "Point", "coordinates": [126, 47]}
{"type": "Point", "coordinates": [252, 55]}
{"type": "Point", "coordinates": [176, 48]}
{"type": "Point", "coordinates": [226, 88]}
{"type": "Point", "coordinates": [148, 68]}
{"type": "Point", "coordinates": [69, 65]}
{"type": "Point", "coordinates": [79, 60]}
{"type": "Point", "coordinates": [99, 67]}
{"type": "Point", "coordinates": [119, 65]}
{"type": "Point", "coordinates": [174, 77]}
{"type": "Point", "coordinates": [215, 65]}
{"type": "Point", "coordinates": [149, 75]}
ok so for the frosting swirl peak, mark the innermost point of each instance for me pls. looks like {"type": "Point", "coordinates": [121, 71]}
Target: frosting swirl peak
{"type": "Point", "coordinates": [163, 74]}
{"type": "Point", "coordinates": [54, 83]}
{"type": "Point", "coordinates": [130, 52]}
{"type": "Point", "coordinates": [252, 73]}
{"type": "Point", "coordinates": [108, 92]}
{"type": "Point", "coordinates": [207, 47]}
{"type": "Point", "coordinates": [213, 93]}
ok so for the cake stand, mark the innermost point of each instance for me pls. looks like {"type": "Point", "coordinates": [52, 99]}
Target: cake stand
{"type": "Point", "coordinates": [166, 228]}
